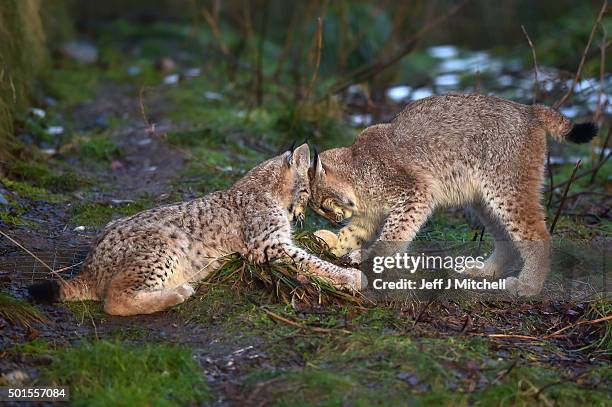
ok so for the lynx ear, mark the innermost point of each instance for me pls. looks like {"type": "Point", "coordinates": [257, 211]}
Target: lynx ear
{"type": "Point", "coordinates": [300, 158]}
{"type": "Point", "coordinates": [316, 169]}
{"type": "Point", "coordinates": [289, 154]}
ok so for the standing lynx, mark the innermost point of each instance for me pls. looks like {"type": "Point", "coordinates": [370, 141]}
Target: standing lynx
{"type": "Point", "coordinates": [147, 262]}
{"type": "Point", "coordinates": [448, 150]}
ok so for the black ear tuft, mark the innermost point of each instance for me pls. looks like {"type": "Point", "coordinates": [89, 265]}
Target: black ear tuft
{"type": "Point", "coordinates": [45, 291]}
{"type": "Point", "coordinates": [582, 133]}
{"type": "Point", "coordinates": [292, 147]}
{"type": "Point", "coordinates": [315, 160]}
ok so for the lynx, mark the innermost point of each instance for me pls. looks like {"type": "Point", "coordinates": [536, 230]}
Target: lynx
{"type": "Point", "coordinates": [148, 262]}
{"type": "Point", "coordinates": [447, 150]}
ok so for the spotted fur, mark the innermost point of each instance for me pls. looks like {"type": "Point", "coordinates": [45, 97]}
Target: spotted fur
{"type": "Point", "coordinates": [448, 150]}
{"type": "Point", "coordinates": [148, 262]}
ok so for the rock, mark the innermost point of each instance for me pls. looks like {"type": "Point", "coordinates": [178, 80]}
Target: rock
{"type": "Point", "coordinates": [116, 165]}
{"type": "Point", "coordinates": [38, 112]}
{"type": "Point", "coordinates": [3, 200]}
{"type": "Point", "coordinates": [80, 51]}
{"type": "Point", "coordinates": [55, 130]}
{"type": "Point", "coordinates": [171, 79]}
{"type": "Point", "coordinates": [166, 66]}
{"type": "Point", "coordinates": [79, 229]}
{"type": "Point", "coordinates": [15, 377]}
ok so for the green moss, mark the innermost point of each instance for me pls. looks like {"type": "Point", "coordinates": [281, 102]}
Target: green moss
{"type": "Point", "coordinates": [44, 177]}
{"type": "Point", "coordinates": [374, 368]}
{"type": "Point", "coordinates": [26, 190]}
{"type": "Point", "coordinates": [72, 84]}
{"type": "Point", "coordinates": [84, 311]}
{"type": "Point", "coordinates": [111, 373]}
{"type": "Point", "coordinates": [96, 214]}
{"type": "Point", "coordinates": [99, 147]}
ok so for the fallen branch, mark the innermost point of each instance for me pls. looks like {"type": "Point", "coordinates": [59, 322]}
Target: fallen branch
{"type": "Point", "coordinates": [316, 329]}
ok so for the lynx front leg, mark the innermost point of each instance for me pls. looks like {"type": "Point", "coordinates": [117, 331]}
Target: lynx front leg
{"type": "Point", "coordinates": [400, 227]}
{"type": "Point", "coordinates": [341, 277]}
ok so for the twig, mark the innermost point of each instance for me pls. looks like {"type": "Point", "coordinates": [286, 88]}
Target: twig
{"type": "Point", "coordinates": [31, 254]}
{"type": "Point", "coordinates": [303, 326]}
{"type": "Point", "coordinates": [601, 156]}
{"type": "Point", "coordinates": [602, 69]}
{"type": "Point", "coordinates": [567, 187]}
{"type": "Point", "coordinates": [587, 172]}
{"type": "Point", "coordinates": [150, 126]}
{"type": "Point", "coordinates": [260, 50]}
{"type": "Point", "coordinates": [589, 322]}
{"type": "Point", "coordinates": [570, 91]}
{"type": "Point", "coordinates": [214, 27]}
{"type": "Point", "coordinates": [535, 65]}
{"type": "Point", "coordinates": [318, 48]}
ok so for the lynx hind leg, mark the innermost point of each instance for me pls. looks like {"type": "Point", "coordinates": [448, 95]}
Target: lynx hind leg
{"type": "Point", "coordinates": [523, 217]}
{"type": "Point", "coordinates": [125, 297]}
{"type": "Point", "coordinates": [504, 256]}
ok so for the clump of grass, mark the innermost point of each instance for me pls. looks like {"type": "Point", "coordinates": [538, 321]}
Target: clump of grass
{"type": "Point", "coordinates": [44, 177]}
{"type": "Point", "coordinates": [100, 148]}
{"type": "Point", "coordinates": [111, 373]}
{"type": "Point", "coordinates": [602, 346]}
{"type": "Point", "coordinates": [26, 190]}
{"type": "Point", "coordinates": [284, 280]}
{"type": "Point", "coordinates": [19, 312]}
{"type": "Point", "coordinates": [98, 214]}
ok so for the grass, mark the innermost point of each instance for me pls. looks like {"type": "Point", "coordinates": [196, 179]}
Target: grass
{"type": "Point", "coordinates": [370, 368]}
{"type": "Point", "coordinates": [99, 147]}
{"type": "Point", "coordinates": [97, 214]}
{"type": "Point", "coordinates": [105, 373]}
{"type": "Point", "coordinates": [42, 176]}
{"type": "Point", "coordinates": [285, 281]}
{"type": "Point", "coordinates": [19, 312]}
{"type": "Point", "coordinates": [26, 190]}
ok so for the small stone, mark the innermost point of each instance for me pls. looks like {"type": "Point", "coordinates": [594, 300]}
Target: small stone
{"type": "Point", "coordinates": [55, 130]}
{"type": "Point", "coordinates": [80, 51]}
{"type": "Point", "coordinates": [166, 66]}
{"type": "Point", "coordinates": [79, 229]}
{"type": "Point", "coordinates": [171, 79]}
{"type": "Point", "coordinates": [15, 377]}
{"type": "Point", "coordinates": [116, 165]}
{"type": "Point", "coordinates": [193, 72]}
{"type": "Point", "coordinates": [48, 151]}
{"type": "Point", "coordinates": [38, 112]}
{"type": "Point", "coordinates": [3, 200]}
{"type": "Point", "coordinates": [133, 70]}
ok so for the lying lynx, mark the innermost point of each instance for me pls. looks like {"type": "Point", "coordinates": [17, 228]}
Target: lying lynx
{"type": "Point", "coordinates": [448, 150]}
{"type": "Point", "coordinates": [147, 262]}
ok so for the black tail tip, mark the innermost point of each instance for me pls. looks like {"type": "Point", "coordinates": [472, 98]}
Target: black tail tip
{"type": "Point", "coordinates": [45, 291]}
{"type": "Point", "coordinates": [582, 133]}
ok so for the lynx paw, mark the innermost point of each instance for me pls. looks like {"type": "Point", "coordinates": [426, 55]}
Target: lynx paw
{"type": "Point", "coordinates": [356, 280]}
{"type": "Point", "coordinates": [185, 291]}
{"type": "Point", "coordinates": [355, 257]}
{"type": "Point", "coordinates": [515, 286]}
{"type": "Point", "coordinates": [330, 238]}
{"type": "Point", "coordinates": [489, 269]}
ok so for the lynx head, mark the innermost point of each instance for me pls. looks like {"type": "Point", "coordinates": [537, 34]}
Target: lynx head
{"type": "Point", "coordinates": [296, 163]}
{"type": "Point", "coordinates": [331, 195]}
